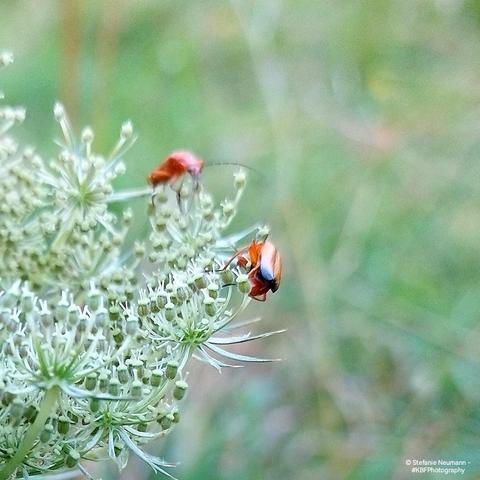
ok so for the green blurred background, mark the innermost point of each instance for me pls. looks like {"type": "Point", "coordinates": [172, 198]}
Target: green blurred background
{"type": "Point", "coordinates": [364, 119]}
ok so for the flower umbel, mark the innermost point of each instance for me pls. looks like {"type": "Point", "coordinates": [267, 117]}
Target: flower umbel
{"type": "Point", "coordinates": [95, 336]}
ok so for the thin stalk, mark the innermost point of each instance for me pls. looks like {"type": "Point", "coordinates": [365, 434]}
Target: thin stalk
{"type": "Point", "coordinates": [46, 406]}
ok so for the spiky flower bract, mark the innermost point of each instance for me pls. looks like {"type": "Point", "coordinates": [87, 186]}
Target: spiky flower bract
{"type": "Point", "coordinates": [95, 334]}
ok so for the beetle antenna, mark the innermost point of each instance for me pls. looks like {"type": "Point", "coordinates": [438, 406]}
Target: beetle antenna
{"type": "Point", "coordinates": [253, 169]}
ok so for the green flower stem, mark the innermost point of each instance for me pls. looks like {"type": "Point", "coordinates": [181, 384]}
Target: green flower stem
{"type": "Point", "coordinates": [48, 403]}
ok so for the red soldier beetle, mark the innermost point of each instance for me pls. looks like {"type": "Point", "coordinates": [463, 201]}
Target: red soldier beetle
{"type": "Point", "coordinates": [177, 164]}
{"type": "Point", "coordinates": [174, 167]}
{"type": "Point", "coordinates": [264, 265]}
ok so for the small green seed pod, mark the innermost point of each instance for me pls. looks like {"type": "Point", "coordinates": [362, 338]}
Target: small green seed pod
{"type": "Point", "coordinates": [129, 292]}
{"type": "Point", "coordinates": [176, 415]}
{"type": "Point", "coordinates": [101, 317]}
{"type": "Point", "coordinates": [103, 381]}
{"type": "Point", "coordinates": [170, 311]}
{"type": "Point", "coordinates": [117, 335]}
{"type": "Point", "coordinates": [17, 408]}
{"type": "Point", "coordinates": [171, 370]}
{"type": "Point", "coordinates": [156, 378]}
{"type": "Point", "coordinates": [143, 307]}
{"type": "Point", "coordinates": [72, 459]}
{"type": "Point", "coordinates": [243, 284]}
{"type": "Point", "coordinates": [46, 434]}
{"type": "Point", "coordinates": [136, 389]}
{"type": "Point", "coordinates": [180, 389]}
{"type": "Point", "coordinates": [209, 304]}
{"type": "Point", "coordinates": [73, 417]}
{"type": "Point", "coordinates": [82, 323]}
{"type": "Point", "coordinates": [28, 302]}
{"type": "Point", "coordinates": [213, 290]}
{"type": "Point", "coordinates": [114, 387]}
{"type": "Point", "coordinates": [131, 325]}
{"type": "Point", "coordinates": [227, 276]}
{"type": "Point", "coordinates": [91, 381]}
{"type": "Point", "coordinates": [94, 405]}
{"type": "Point", "coordinates": [200, 281]}
{"type": "Point", "coordinates": [166, 421]}
{"type": "Point", "coordinates": [123, 375]}
{"type": "Point", "coordinates": [114, 312]}
{"type": "Point", "coordinates": [93, 299]}
{"type": "Point", "coordinates": [63, 425]}
{"type": "Point", "coordinates": [73, 315]}
{"type": "Point", "coordinates": [61, 312]}
{"type": "Point", "coordinates": [30, 413]}
{"type": "Point", "coordinates": [7, 398]}
{"type": "Point", "coordinates": [142, 427]}
{"type": "Point", "coordinates": [136, 364]}
{"type": "Point", "coordinates": [46, 319]}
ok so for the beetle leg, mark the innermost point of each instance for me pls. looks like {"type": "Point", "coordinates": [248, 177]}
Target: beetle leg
{"type": "Point", "coordinates": [154, 192]}
{"type": "Point", "coordinates": [238, 254]}
{"type": "Point", "coordinates": [260, 298]}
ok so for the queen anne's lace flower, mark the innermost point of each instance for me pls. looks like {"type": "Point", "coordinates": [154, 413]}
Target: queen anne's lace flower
{"type": "Point", "coordinates": [95, 335]}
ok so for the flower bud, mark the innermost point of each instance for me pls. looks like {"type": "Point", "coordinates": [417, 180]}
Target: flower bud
{"type": "Point", "coordinates": [139, 249]}
{"type": "Point", "coordinates": [127, 130]}
{"type": "Point", "coordinates": [58, 111]}
{"type": "Point", "coordinates": [239, 180]}
{"type": "Point", "coordinates": [87, 135]}
{"type": "Point", "coordinates": [228, 209]}
{"type": "Point", "coordinates": [6, 58]}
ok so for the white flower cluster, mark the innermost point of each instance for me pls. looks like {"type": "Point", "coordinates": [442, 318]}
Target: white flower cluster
{"type": "Point", "coordinates": [95, 336]}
